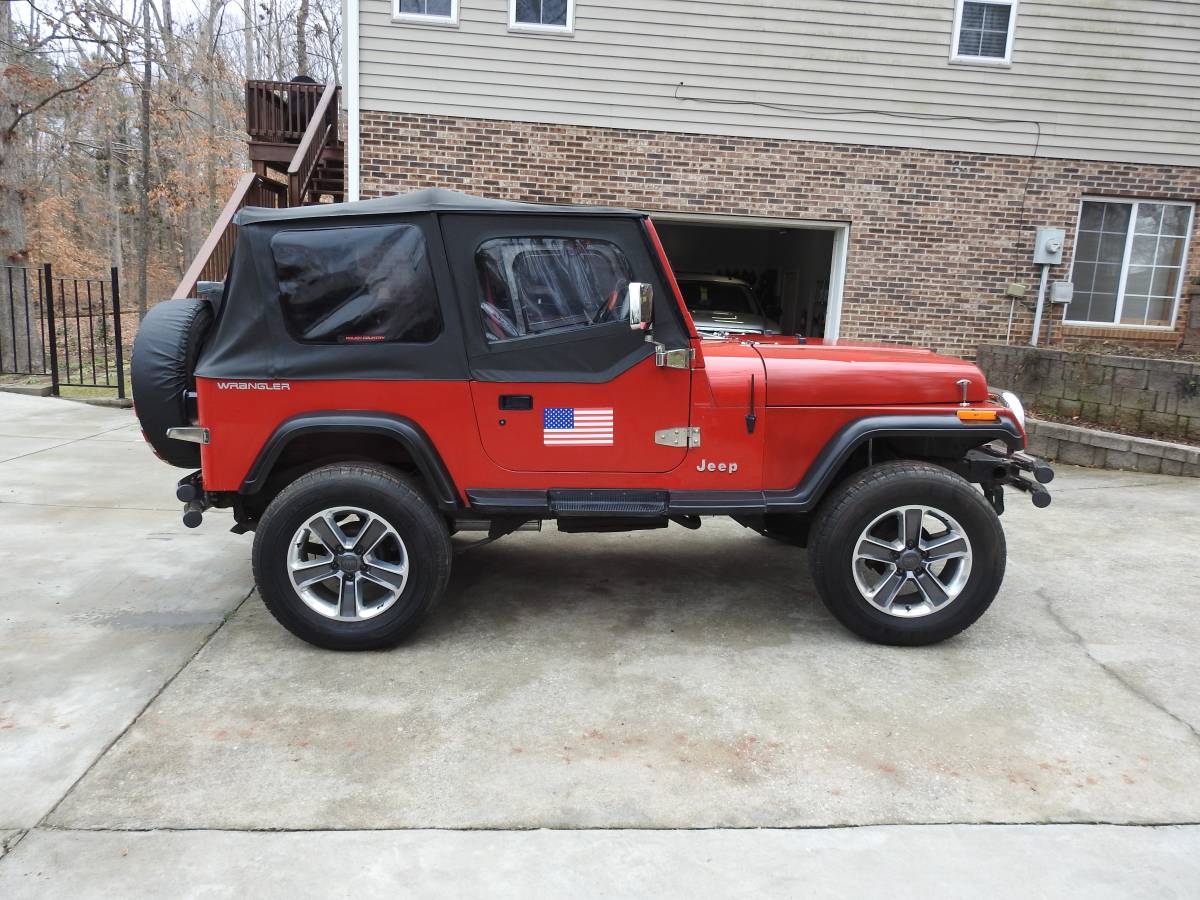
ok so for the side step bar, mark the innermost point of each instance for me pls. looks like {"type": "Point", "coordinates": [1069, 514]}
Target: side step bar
{"type": "Point", "coordinates": [608, 503]}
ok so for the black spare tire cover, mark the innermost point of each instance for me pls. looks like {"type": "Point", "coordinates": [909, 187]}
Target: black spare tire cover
{"type": "Point", "coordinates": [164, 358]}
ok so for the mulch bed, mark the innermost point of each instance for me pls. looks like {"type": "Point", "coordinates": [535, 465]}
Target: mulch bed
{"type": "Point", "coordinates": [1110, 348]}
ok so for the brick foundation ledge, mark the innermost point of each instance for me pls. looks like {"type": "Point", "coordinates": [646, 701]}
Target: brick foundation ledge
{"type": "Point", "coordinates": [1079, 446]}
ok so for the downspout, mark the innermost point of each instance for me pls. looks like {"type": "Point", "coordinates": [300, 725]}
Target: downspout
{"type": "Point", "coordinates": [353, 127]}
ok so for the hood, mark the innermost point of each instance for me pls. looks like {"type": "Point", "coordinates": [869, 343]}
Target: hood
{"type": "Point", "coordinates": [838, 373]}
{"type": "Point", "coordinates": [717, 322]}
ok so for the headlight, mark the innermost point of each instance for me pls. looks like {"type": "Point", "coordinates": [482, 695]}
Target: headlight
{"type": "Point", "coordinates": [1013, 402]}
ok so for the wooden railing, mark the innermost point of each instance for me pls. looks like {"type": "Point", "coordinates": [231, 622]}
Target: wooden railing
{"type": "Point", "coordinates": [280, 111]}
{"type": "Point", "coordinates": [321, 132]}
{"type": "Point", "coordinates": [212, 262]}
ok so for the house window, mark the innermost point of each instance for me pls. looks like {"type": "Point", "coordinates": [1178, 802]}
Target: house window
{"type": "Point", "coordinates": [983, 31]}
{"type": "Point", "coordinates": [426, 12]}
{"type": "Point", "coordinates": [1129, 261]}
{"type": "Point", "coordinates": [542, 15]}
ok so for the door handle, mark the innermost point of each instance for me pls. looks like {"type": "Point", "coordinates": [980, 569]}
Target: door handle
{"type": "Point", "coordinates": [516, 401]}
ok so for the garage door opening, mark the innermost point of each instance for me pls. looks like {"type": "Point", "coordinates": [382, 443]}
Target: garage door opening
{"type": "Point", "coordinates": [794, 269]}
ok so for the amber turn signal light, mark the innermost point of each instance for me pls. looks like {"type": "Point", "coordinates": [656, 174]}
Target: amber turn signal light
{"type": "Point", "coordinates": [978, 415]}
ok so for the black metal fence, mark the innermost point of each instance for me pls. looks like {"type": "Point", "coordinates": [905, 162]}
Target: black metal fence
{"type": "Point", "coordinates": [23, 338]}
{"type": "Point", "coordinates": [64, 327]}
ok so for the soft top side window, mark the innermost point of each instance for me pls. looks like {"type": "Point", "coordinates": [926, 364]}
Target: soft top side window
{"type": "Point", "coordinates": [539, 285]}
{"type": "Point", "coordinates": [358, 284]}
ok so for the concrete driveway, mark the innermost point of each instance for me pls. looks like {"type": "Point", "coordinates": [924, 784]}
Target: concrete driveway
{"type": "Point", "coordinates": [580, 706]}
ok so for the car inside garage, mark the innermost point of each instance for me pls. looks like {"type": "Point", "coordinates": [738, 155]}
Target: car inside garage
{"type": "Point", "coordinates": [792, 269]}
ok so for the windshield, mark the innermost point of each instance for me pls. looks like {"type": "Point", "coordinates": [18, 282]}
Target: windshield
{"type": "Point", "coordinates": [718, 296]}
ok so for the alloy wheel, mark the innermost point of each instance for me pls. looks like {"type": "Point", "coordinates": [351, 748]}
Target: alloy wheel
{"type": "Point", "coordinates": [912, 561]}
{"type": "Point", "coordinates": [347, 564]}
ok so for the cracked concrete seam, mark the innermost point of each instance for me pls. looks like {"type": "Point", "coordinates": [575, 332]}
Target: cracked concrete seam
{"type": "Point", "coordinates": [1112, 673]}
{"type": "Point", "coordinates": [9, 843]}
{"type": "Point", "coordinates": [42, 822]}
{"type": "Point", "coordinates": [66, 443]}
{"type": "Point", "coordinates": [517, 829]}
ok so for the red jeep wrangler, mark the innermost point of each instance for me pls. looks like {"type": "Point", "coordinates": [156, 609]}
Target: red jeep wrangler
{"type": "Point", "coordinates": [376, 376]}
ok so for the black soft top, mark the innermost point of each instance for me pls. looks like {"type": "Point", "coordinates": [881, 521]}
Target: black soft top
{"type": "Point", "coordinates": [251, 339]}
{"type": "Point", "coordinates": [428, 200]}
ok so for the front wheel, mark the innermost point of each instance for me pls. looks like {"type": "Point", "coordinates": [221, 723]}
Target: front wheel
{"type": "Point", "coordinates": [907, 553]}
{"type": "Point", "coordinates": [351, 557]}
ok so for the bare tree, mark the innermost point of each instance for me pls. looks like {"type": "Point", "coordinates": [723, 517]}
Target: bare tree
{"type": "Point", "coordinates": [248, 40]}
{"type": "Point", "coordinates": [143, 239]}
{"type": "Point", "coordinates": [29, 83]}
{"type": "Point", "coordinates": [122, 126]}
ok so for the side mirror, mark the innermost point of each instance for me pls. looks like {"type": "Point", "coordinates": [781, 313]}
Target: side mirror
{"type": "Point", "coordinates": [641, 305]}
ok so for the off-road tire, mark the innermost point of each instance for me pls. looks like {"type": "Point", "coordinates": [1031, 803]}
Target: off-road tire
{"type": "Point", "coordinates": [384, 493]}
{"type": "Point", "coordinates": [856, 502]}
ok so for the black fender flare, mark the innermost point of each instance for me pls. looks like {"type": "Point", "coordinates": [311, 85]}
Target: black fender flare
{"type": "Point", "coordinates": [854, 434]}
{"type": "Point", "coordinates": [404, 432]}
{"type": "Point", "coordinates": [812, 487]}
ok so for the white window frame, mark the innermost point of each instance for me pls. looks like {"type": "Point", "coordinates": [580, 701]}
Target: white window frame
{"type": "Point", "coordinates": [450, 21]}
{"type": "Point", "coordinates": [1120, 307]}
{"type": "Point", "coordinates": [984, 60]}
{"type": "Point", "coordinates": [532, 28]}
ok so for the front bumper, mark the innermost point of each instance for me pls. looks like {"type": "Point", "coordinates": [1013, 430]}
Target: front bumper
{"type": "Point", "coordinates": [995, 468]}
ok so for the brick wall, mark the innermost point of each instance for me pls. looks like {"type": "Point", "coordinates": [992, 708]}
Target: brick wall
{"type": "Point", "coordinates": [934, 236]}
{"type": "Point", "coordinates": [1150, 396]}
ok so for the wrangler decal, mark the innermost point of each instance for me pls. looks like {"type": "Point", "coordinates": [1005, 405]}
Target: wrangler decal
{"type": "Point", "coordinates": [253, 386]}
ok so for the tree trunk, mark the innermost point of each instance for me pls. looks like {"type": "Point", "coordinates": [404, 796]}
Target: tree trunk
{"type": "Point", "coordinates": [143, 241]}
{"type": "Point", "coordinates": [114, 209]}
{"type": "Point", "coordinates": [210, 107]}
{"type": "Point", "coordinates": [168, 38]}
{"type": "Point", "coordinates": [248, 35]}
{"type": "Point", "coordinates": [12, 214]}
{"type": "Point", "coordinates": [280, 56]}
{"type": "Point", "coordinates": [17, 327]}
{"type": "Point", "coordinates": [302, 38]}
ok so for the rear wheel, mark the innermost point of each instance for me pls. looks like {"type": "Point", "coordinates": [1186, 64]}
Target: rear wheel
{"type": "Point", "coordinates": [351, 557]}
{"type": "Point", "coordinates": [907, 553]}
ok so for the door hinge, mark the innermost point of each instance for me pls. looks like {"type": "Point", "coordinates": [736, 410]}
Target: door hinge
{"type": "Point", "coordinates": [678, 437]}
{"type": "Point", "coordinates": [673, 359]}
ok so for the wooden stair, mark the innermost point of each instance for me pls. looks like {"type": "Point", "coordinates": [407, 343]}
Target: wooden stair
{"type": "Point", "coordinates": [298, 159]}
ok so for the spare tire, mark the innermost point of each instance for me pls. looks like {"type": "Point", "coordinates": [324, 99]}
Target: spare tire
{"type": "Point", "coordinates": [164, 358]}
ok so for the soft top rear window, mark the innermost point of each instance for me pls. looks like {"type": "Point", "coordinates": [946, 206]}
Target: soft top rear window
{"type": "Point", "coordinates": [358, 284]}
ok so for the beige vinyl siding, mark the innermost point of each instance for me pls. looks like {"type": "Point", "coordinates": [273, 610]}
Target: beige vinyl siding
{"type": "Point", "coordinates": [1115, 79]}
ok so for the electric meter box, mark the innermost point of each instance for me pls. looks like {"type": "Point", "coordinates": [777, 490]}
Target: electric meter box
{"type": "Point", "coordinates": [1048, 246]}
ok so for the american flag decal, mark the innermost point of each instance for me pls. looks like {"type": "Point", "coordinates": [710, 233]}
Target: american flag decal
{"type": "Point", "coordinates": [569, 427]}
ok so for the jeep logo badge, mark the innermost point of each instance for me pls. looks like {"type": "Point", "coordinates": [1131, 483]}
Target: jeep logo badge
{"type": "Point", "coordinates": [706, 466]}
